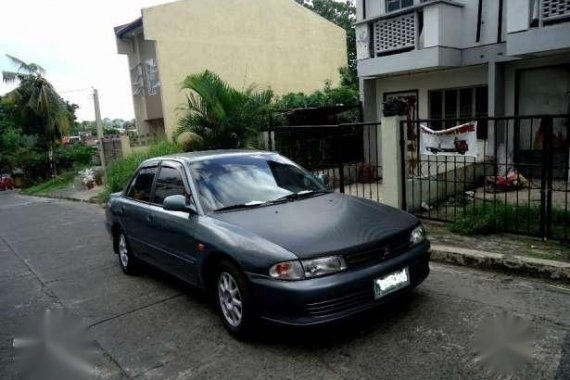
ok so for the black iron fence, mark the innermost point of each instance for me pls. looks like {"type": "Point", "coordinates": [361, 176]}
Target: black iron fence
{"type": "Point", "coordinates": [347, 153]}
{"type": "Point", "coordinates": [516, 178]}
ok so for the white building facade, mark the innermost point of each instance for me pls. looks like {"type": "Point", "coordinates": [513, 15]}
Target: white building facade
{"type": "Point", "coordinates": [465, 58]}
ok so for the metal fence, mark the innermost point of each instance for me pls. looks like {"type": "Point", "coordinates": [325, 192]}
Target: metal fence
{"type": "Point", "coordinates": [518, 182]}
{"type": "Point", "coordinates": [112, 148]}
{"type": "Point", "coordinates": [347, 153]}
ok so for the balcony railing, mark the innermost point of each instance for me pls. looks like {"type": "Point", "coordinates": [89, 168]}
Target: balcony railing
{"type": "Point", "coordinates": [555, 9]}
{"type": "Point", "coordinates": [549, 11]}
{"type": "Point", "coordinates": [394, 34]}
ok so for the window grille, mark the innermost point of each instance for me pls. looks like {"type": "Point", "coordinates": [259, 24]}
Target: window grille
{"type": "Point", "coordinates": [137, 80]}
{"type": "Point", "coordinates": [395, 34]}
{"type": "Point", "coordinates": [151, 66]}
{"type": "Point", "coordinates": [555, 9]}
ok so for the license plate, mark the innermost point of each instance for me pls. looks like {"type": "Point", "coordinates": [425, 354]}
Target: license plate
{"type": "Point", "coordinates": [391, 282]}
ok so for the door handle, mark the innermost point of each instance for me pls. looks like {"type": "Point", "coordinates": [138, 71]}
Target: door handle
{"type": "Point", "coordinates": [121, 210]}
{"type": "Point", "coordinates": [149, 218]}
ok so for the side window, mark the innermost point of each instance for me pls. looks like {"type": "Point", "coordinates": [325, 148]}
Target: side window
{"type": "Point", "coordinates": [169, 182]}
{"type": "Point", "coordinates": [142, 185]}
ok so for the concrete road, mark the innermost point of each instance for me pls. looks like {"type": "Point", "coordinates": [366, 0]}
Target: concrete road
{"type": "Point", "coordinates": [57, 253]}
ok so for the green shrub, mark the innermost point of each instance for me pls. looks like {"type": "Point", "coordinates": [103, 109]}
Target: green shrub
{"type": "Point", "coordinates": [47, 187]}
{"type": "Point", "coordinates": [482, 218]}
{"type": "Point", "coordinates": [76, 155]}
{"type": "Point", "coordinates": [120, 171]}
{"type": "Point", "coordinates": [485, 217]}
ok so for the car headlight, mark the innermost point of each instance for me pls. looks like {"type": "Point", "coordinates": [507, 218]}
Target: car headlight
{"type": "Point", "coordinates": [417, 236]}
{"type": "Point", "coordinates": [298, 270]}
{"type": "Point", "coordinates": [323, 266]}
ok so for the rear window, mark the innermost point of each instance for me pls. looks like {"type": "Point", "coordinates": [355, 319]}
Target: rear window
{"type": "Point", "coordinates": [142, 185]}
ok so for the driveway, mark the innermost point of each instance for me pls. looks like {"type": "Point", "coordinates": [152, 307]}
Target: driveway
{"type": "Point", "coordinates": [57, 253]}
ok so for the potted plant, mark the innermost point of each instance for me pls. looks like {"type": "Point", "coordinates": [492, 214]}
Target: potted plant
{"type": "Point", "coordinates": [88, 178]}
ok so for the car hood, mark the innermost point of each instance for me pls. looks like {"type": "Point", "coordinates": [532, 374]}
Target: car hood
{"type": "Point", "coordinates": [328, 224]}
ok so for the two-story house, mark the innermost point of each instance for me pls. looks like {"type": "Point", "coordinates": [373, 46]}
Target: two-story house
{"type": "Point", "coordinates": [466, 58]}
{"type": "Point", "coordinates": [275, 44]}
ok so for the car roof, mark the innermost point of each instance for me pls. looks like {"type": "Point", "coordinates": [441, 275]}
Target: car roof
{"type": "Point", "coordinates": [190, 157]}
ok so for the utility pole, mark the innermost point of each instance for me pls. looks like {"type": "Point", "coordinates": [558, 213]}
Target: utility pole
{"type": "Point", "coordinates": [99, 130]}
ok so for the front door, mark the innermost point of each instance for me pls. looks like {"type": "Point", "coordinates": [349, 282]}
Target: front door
{"type": "Point", "coordinates": [174, 245]}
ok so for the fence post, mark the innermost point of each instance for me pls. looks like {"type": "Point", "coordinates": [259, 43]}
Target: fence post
{"type": "Point", "coordinates": [341, 178]}
{"type": "Point", "coordinates": [125, 146]}
{"type": "Point", "coordinates": [392, 161]}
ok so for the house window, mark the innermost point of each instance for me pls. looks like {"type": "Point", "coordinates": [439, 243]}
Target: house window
{"type": "Point", "coordinates": [459, 105]}
{"type": "Point", "coordinates": [137, 80]}
{"type": "Point", "coordinates": [151, 67]}
{"type": "Point", "coordinates": [396, 5]}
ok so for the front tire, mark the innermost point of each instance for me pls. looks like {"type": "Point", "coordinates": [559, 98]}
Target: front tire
{"type": "Point", "coordinates": [234, 301]}
{"type": "Point", "coordinates": [129, 264]}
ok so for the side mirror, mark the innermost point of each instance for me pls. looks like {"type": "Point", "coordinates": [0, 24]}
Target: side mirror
{"type": "Point", "coordinates": [176, 203]}
{"type": "Point", "coordinates": [324, 179]}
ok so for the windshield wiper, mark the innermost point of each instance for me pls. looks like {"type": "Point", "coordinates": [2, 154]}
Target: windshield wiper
{"type": "Point", "coordinates": [240, 205]}
{"type": "Point", "coordinates": [300, 194]}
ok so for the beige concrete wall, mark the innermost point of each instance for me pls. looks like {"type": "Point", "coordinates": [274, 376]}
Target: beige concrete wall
{"type": "Point", "coordinates": [274, 44]}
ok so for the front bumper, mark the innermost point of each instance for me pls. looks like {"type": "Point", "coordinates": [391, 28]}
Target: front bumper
{"type": "Point", "coordinates": [330, 298]}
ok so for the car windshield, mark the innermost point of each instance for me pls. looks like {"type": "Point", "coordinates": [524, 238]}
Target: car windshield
{"type": "Point", "coordinates": [234, 181]}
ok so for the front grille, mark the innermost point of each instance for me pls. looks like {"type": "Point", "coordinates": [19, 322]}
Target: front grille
{"type": "Point", "coordinates": [340, 304]}
{"type": "Point", "coordinates": [379, 253]}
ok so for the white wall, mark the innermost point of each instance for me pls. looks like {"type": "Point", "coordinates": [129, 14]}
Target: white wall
{"type": "Point", "coordinates": [423, 82]}
{"type": "Point", "coordinates": [375, 8]}
{"type": "Point", "coordinates": [519, 10]}
{"type": "Point", "coordinates": [448, 25]}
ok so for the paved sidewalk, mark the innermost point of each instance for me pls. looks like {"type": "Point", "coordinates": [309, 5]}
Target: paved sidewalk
{"type": "Point", "coordinates": [506, 252]}
{"type": "Point", "coordinates": [80, 194]}
{"type": "Point", "coordinates": [508, 244]}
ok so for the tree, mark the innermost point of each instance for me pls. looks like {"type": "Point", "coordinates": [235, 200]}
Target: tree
{"type": "Point", "coordinates": [37, 102]}
{"type": "Point", "coordinates": [222, 116]}
{"type": "Point", "coordinates": [343, 14]}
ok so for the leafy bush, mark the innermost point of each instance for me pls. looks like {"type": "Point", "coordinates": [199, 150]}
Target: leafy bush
{"type": "Point", "coordinates": [328, 96]}
{"type": "Point", "coordinates": [75, 155]}
{"type": "Point", "coordinates": [120, 171]}
{"type": "Point", "coordinates": [495, 216]}
{"type": "Point", "coordinates": [482, 218]}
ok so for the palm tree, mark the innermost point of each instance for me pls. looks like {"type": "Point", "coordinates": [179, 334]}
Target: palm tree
{"type": "Point", "coordinates": [222, 116]}
{"type": "Point", "coordinates": [38, 103]}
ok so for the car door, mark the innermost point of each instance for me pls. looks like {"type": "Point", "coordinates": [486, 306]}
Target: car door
{"type": "Point", "coordinates": [134, 211]}
{"type": "Point", "coordinates": [175, 247]}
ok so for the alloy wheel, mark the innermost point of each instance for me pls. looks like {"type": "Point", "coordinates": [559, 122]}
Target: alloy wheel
{"type": "Point", "coordinates": [230, 299]}
{"type": "Point", "coordinates": [123, 251]}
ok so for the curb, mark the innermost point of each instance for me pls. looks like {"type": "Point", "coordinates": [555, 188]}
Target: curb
{"type": "Point", "coordinates": [530, 266]}
{"type": "Point", "coordinates": [58, 197]}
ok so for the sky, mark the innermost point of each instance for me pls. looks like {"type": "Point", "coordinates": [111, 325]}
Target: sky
{"type": "Point", "coordinates": [74, 41]}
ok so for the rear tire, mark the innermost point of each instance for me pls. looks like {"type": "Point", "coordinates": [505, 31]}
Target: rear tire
{"type": "Point", "coordinates": [234, 301]}
{"type": "Point", "coordinates": [128, 262]}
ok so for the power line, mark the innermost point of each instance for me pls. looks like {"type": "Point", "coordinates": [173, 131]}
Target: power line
{"type": "Point", "coordinates": [77, 90]}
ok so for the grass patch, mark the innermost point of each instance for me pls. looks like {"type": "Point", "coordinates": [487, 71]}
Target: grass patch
{"type": "Point", "coordinates": [120, 171]}
{"type": "Point", "coordinates": [46, 188]}
{"type": "Point", "coordinates": [496, 216]}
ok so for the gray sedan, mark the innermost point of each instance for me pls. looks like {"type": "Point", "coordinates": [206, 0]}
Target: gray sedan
{"type": "Point", "coordinates": [265, 238]}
